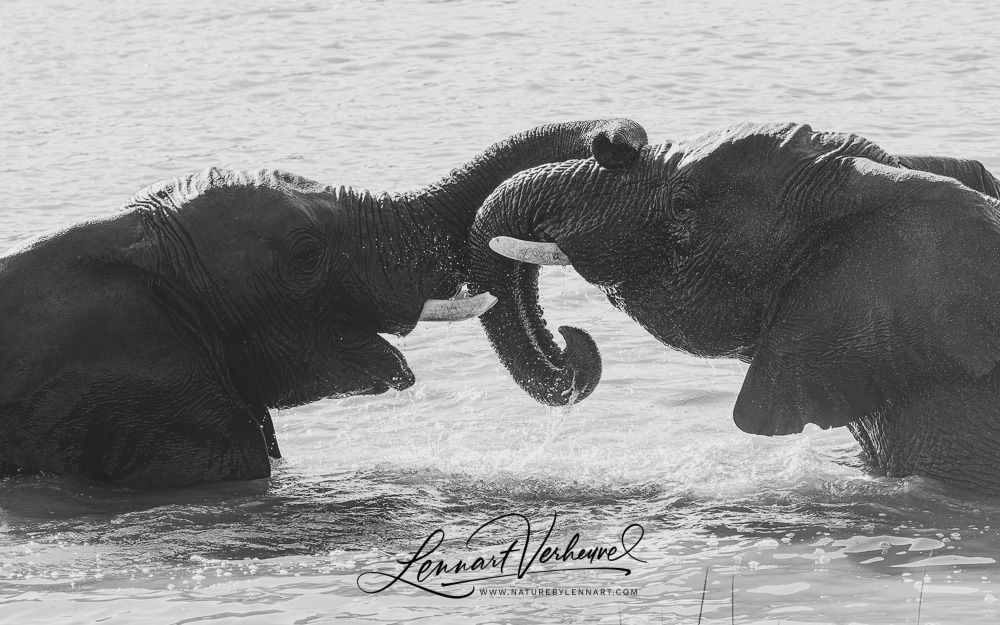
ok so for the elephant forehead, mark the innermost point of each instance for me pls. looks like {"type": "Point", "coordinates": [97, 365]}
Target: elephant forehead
{"type": "Point", "coordinates": [184, 193]}
{"type": "Point", "coordinates": [748, 136]}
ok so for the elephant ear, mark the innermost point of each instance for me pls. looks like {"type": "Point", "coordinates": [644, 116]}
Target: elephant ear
{"type": "Point", "coordinates": [969, 172]}
{"type": "Point", "coordinates": [880, 304]}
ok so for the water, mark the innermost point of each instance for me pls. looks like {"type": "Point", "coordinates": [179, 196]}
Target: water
{"type": "Point", "coordinates": [99, 99]}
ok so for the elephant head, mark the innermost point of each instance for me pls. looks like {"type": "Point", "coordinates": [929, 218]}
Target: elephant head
{"type": "Point", "coordinates": [848, 278]}
{"type": "Point", "coordinates": [147, 347]}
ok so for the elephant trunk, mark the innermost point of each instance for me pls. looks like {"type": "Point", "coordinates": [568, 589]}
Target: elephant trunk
{"type": "Point", "coordinates": [515, 325]}
{"type": "Point", "coordinates": [429, 228]}
{"type": "Point", "coordinates": [615, 143]}
{"type": "Point", "coordinates": [443, 213]}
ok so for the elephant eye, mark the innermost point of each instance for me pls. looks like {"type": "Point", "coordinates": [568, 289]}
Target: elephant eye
{"type": "Point", "coordinates": [304, 255]}
{"type": "Point", "coordinates": [683, 200]}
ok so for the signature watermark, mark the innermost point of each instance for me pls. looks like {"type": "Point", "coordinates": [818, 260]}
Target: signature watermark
{"type": "Point", "coordinates": [517, 558]}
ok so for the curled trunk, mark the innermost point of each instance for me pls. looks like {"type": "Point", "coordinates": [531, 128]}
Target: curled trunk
{"type": "Point", "coordinates": [515, 325]}
{"type": "Point", "coordinates": [517, 332]}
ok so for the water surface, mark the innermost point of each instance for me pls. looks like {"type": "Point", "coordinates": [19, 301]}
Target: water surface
{"type": "Point", "coordinates": [102, 98]}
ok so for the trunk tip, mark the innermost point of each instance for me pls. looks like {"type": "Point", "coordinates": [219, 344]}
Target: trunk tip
{"type": "Point", "coordinates": [583, 358]}
{"type": "Point", "coordinates": [618, 145]}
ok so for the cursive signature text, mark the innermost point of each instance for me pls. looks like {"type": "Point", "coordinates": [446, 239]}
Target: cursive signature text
{"type": "Point", "coordinates": [439, 576]}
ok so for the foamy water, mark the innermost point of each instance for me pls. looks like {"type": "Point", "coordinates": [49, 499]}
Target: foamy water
{"type": "Point", "coordinates": [100, 99]}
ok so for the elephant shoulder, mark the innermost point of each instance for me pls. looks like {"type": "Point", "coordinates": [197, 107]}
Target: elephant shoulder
{"type": "Point", "coordinates": [103, 379]}
{"type": "Point", "coordinates": [882, 304]}
{"type": "Point", "coordinates": [213, 182]}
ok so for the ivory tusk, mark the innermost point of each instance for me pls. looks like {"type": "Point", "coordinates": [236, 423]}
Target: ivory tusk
{"type": "Point", "coordinates": [529, 251]}
{"type": "Point", "coordinates": [457, 309]}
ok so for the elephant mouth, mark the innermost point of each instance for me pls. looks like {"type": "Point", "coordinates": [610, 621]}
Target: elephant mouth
{"type": "Point", "coordinates": [385, 367]}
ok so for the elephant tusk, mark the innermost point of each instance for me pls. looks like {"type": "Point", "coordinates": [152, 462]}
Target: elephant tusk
{"type": "Point", "coordinates": [529, 251]}
{"type": "Point", "coordinates": [457, 309]}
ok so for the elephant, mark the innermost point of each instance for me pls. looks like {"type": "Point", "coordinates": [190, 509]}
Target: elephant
{"type": "Point", "coordinates": [862, 288]}
{"type": "Point", "coordinates": [147, 347]}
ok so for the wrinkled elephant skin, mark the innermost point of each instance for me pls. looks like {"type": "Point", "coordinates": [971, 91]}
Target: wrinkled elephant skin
{"type": "Point", "coordinates": [863, 288]}
{"type": "Point", "coordinates": [147, 347]}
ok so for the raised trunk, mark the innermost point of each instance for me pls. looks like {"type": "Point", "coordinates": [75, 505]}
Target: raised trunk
{"type": "Point", "coordinates": [455, 199]}
{"type": "Point", "coordinates": [421, 237]}
{"type": "Point", "coordinates": [452, 202]}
